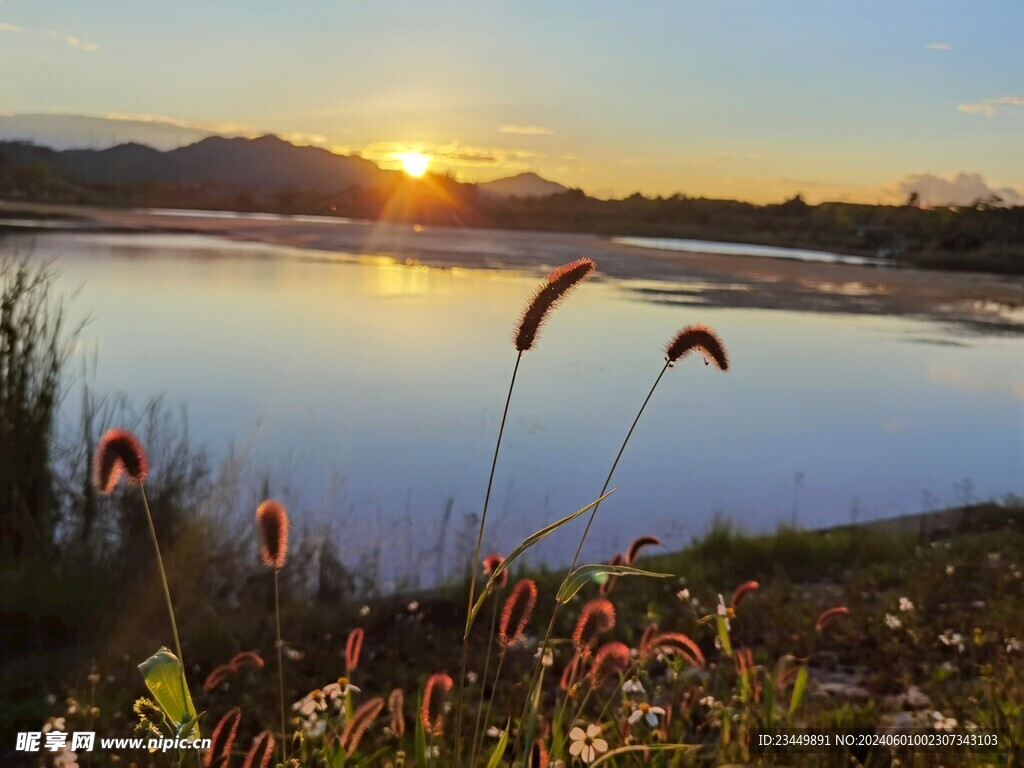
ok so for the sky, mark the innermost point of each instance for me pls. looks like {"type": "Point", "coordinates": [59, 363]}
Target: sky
{"type": "Point", "coordinates": [755, 100]}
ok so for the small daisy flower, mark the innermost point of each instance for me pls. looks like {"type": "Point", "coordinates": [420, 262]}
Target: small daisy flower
{"type": "Point", "coordinates": [892, 622]}
{"type": "Point", "coordinates": [633, 687]}
{"type": "Point", "coordinates": [340, 688]}
{"type": "Point", "coordinates": [413, 606]}
{"type": "Point", "coordinates": [905, 605]}
{"type": "Point", "coordinates": [950, 569]}
{"type": "Point", "coordinates": [310, 704]}
{"type": "Point", "coordinates": [683, 594]}
{"type": "Point", "coordinates": [1013, 645]}
{"type": "Point", "coordinates": [943, 723]}
{"type": "Point", "coordinates": [648, 713]}
{"type": "Point", "coordinates": [364, 611]}
{"type": "Point", "coordinates": [708, 701]}
{"type": "Point", "coordinates": [587, 745]}
{"type": "Point", "coordinates": [494, 732]}
{"type": "Point", "coordinates": [548, 659]}
{"type": "Point", "coordinates": [472, 677]}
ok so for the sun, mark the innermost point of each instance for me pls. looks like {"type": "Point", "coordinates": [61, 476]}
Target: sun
{"type": "Point", "coordinates": [414, 163]}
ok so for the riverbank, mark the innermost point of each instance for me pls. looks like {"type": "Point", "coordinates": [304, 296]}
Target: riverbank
{"type": "Point", "coordinates": [987, 301]}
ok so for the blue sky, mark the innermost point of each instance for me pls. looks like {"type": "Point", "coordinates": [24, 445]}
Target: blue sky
{"type": "Point", "coordinates": [755, 100]}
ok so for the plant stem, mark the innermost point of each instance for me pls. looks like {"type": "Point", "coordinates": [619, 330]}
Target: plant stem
{"type": "Point", "coordinates": [483, 680]}
{"type": "Point", "coordinates": [280, 664]}
{"type": "Point", "coordinates": [583, 538]}
{"type": "Point", "coordinates": [490, 701]}
{"type": "Point", "coordinates": [170, 606]}
{"type": "Point", "coordinates": [475, 565]}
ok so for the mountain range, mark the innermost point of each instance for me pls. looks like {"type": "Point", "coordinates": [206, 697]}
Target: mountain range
{"type": "Point", "coordinates": [263, 165]}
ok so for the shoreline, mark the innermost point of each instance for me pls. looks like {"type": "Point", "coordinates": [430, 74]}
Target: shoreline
{"type": "Point", "coordinates": [980, 301]}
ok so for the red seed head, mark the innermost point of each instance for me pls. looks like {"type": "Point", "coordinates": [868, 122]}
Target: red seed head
{"type": "Point", "coordinates": [396, 707]}
{"type": "Point", "coordinates": [272, 523]}
{"type": "Point", "coordinates": [217, 676]}
{"type": "Point", "coordinates": [701, 338]}
{"type": "Point", "coordinates": [675, 643]}
{"type": "Point", "coordinates": [119, 452]}
{"type": "Point", "coordinates": [362, 719]}
{"type": "Point", "coordinates": [261, 751]}
{"type": "Point", "coordinates": [247, 657]}
{"type": "Point", "coordinates": [222, 739]}
{"type": "Point", "coordinates": [638, 544]}
{"type": "Point", "coordinates": [517, 611]}
{"type": "Point", "coordinates": [353, 645]}
{"type": "Point", "coordinates": [554, 288]}
{"type": "Point", "coordinates": [827, 617]}
{"type": "Point", "coordinates": [538, 755]}
{"type": "Point", "coordinates": [742, 591]}
{"type": "Point", "coordinates": [611, 659]}
{"type": "Point", "coordinates": [609, 582]}
{"type": "Point", "coordinates": [645, 639]}
{"type": "Point", "coordinates": [569, 672]}
{"type": "Point", "coordinates": [432, 708]}
{"type": "Point", "coordinates": [491, 562]}
{"type": "Point", "coordinates": [596, 618]}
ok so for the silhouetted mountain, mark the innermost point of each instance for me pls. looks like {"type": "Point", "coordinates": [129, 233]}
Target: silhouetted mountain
{"type": "Point", "coordinates": [521, 185]}
{"type": "Point", "coordinates": [263, 165]}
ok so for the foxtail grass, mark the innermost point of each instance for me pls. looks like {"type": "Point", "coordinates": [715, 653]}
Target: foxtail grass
{"type": "Point", "coordinates": [552, 291]}
{"type": "Point", "coordinates": [688, 340]}
{"type": "Point", "coordinates": [272, 525]}
{"type": "Point", "coordinates": [120, 454]}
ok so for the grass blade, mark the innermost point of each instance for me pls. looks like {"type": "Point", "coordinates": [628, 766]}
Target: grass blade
{"type": "Point", "coordinates": [528, 542]}
{"type": "Point", "coordinates": [586, 573]}
{"type": "Point", "coordinates": [640, 748]}
{"type": "Point", "coordinates": [798, 689]}
{"type": "Point", "coordinates": [421, 738]}
{"type": "Point", "coordinates": [499, 750]}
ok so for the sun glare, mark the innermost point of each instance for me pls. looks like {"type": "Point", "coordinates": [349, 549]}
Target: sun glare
{"type": "Point", "coordinates": [414, 163]}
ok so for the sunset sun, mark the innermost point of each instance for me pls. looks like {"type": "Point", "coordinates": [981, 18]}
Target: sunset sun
{"type": "Point", "coordinates": [414, 163]}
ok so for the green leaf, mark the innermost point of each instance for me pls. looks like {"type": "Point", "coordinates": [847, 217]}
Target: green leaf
{"type": "Point", "coordinates": [339, 758]}
{"type": "Point", "coordinates": [166, 681]}
{"type": "Point", "coordinates": [499, 750]}
{"type": "Point", "coordinates": [528, 542]}
{"type": "Point", "coordinates": [640, 748]}
{"type": "Point", "coordinates": [798, 689]}
{"type": "Point", "coordinates": [723, 634]}
{"type": "Point", "coordinates": [531, 714]}
{"type": "Point", "coordinates": [421, 739]}
{"type": "Point", "coordinates": [575, 581]}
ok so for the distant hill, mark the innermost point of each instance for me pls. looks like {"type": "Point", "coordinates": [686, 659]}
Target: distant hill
{"type": "Point", "coordinates": [521, 185]}
{"type": "Point", "coordinates": [263, 165]}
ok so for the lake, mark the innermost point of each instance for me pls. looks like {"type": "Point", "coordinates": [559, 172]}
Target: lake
{"type": "Point", "coordinates": [370, 391]}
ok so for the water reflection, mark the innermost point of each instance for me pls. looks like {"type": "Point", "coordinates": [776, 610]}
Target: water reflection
{"type": "Point", "coordinates": [375, 389]}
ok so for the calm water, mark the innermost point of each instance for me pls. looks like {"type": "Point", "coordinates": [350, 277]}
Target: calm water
{"type": "Point", "coordinates": [371, 393]}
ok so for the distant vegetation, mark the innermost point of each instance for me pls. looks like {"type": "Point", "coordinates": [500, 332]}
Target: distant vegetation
{"type": "Point", "coordinates": [270, 175]}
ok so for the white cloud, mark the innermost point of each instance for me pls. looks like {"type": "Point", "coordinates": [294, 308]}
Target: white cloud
{"type": "Point", "coordinates": [5, 27]}
{"type": "Point", "coordinates": [938, 46]}
{"type": "Point", "coordinates": [989, 107]}
{"type": "Point", "coordinates": [526, 130]}
{"type": "Point", "coordinates": [74, 42]}
{"type": "Point", "coordinates": [955, 189]}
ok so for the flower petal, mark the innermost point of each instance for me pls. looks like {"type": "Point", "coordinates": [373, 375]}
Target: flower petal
{"type": "Point", "coordinates": [577, 734]}
{"type": "Point", "coordinates": [652, 719]}
{"type": "Point", "coordinates": [637, 714]}
{"type": "Point", "coordinates": [600, 745]}
{"type": "Point", "coordinates": [593, 730]}
{"type": "Point", "coordinates": [575, 748]}
{"type": "Point", "coordinates": [588, 754]}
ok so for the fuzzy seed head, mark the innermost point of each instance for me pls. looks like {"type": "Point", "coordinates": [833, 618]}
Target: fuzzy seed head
{"type": "Point", "coordinates": [490, 563]}
{"type": "Point", "coordinates": [517, 611]}
{"type": "Point", "coordinates": [551, 292]}
{"type": "Point", "coordinates": [222, 739]}
{"type": "Point", "coordinates": [432, 709]}
{"type": "Point", "coordinates": [638, 544]}
{"type": "Point", "coordinates": [827, 617]}
{"type": "Point", "coordinates": [119, 453]}
{"type": "Point", "coordinates": [217, 676]}
{"type": "Point", "coordinates": [645, 639]}
{"type": "Point", "coordinates": [675, 643]}
{"type": "Point", "coordinates": [700, 338]}
{"type": "Point", "coordinates": [261, 751]}
{"type": "Point", "coordinates": [596, 618]}
{"type": "Point", "coordinates": [396, 708]}
{"type": "Point", "coordinates": [244, 658]}
{"type": "Point", "coordinates": [611, 659]}
{"type": "Point", "coordinates": [362, 719]}
{"type": "Point", "coordinates": [272, 523]}
{"type": "Point", "coordinates": [741, 592]}
{"type": "Point", "coordinates": [353, 646]}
